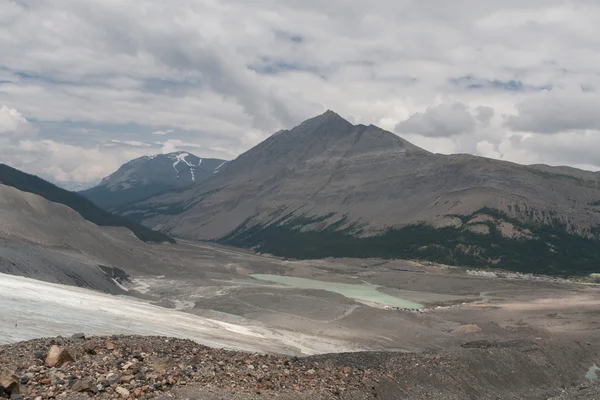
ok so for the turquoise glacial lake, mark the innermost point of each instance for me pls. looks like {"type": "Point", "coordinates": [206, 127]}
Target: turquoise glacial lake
{"type": "Point", "coordinates": [364, 291]}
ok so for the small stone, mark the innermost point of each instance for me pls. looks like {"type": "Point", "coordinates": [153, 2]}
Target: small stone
{"type": "Point", "coordinates": [123, 392]}
{"type": "Point", "coordinates": [112, 378]}
{"type": "Point", "coordinates": [311, 372]}
{"type": "Point", "coordinates": [250, 367]}
{"type": "Point", "coordinates": [110, 345]}
{"type": "Point", "coordinates": [89, 348]}
{"type": "Point", "coordinates": [16, 396]}
{"type": "Point", "coordinates": [84, 385]}
{"type": "Point", "coordinates": [127, 378]}
{"type": "Point", "coordinates": [57, 356]}
{"type": "Point", "coordinates": [100, 387]}
{"type": "Point", "coordinates": [78, 336]}
{"type": "Point", "coordinates": [127, 366]}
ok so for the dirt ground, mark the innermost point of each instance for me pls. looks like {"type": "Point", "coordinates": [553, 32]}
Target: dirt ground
{"type": "Point", "coordinates": [541, 336]}
{"type": "Point", "coordinates": [217, 282]}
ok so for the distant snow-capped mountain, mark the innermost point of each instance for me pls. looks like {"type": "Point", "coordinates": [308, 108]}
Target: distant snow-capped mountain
{"type": "Point", "coordinates": [149, 175]}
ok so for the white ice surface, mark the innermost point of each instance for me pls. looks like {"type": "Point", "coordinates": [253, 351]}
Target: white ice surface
{"type": "Point", "coordinates": [31, 309]}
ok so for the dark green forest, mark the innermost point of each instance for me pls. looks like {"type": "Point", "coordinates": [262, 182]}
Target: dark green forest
{"type": "Point", "coordinates": [553, 251]}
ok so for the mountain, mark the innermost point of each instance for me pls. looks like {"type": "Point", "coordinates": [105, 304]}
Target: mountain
{"type": "Point", "coordinates": [49, 241]}
{"type": "Point", "coordinates": [85, 208]}
{"type": "Point", "coordinates": [331, 188]}
{"type": "Point", "coordinates": [148, 176]}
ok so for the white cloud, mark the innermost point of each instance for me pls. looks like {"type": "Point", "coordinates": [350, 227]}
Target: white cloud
{"type": "Point", "coordinates": [460, 76]}
{"type": "Point", "coordinates": [12, 122]}
{"type": "Point", "coordinates": [163, 132]}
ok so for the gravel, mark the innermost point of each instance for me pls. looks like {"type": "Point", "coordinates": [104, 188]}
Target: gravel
{"type": "Point", "coordinates": [145, 367]}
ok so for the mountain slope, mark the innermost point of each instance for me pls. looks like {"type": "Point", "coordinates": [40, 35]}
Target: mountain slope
{"type": "Point", "coordinates": [51, 242]}
{"type": "Point", "coordinates": [32, 184]}
{"type": "Point", "coordinates": [148, 176]}
{"type": "Point", "coordinates": [329, 188]}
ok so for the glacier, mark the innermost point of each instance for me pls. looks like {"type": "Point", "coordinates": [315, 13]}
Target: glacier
{"type": "Point", "coordinates": [32, 309]}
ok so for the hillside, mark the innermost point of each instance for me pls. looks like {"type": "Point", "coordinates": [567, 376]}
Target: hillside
{"type": "Point", "coordinates": [32, 184]}
{"type": "Point", "coordinates": [330, 188]}
{"type": "Point", "coordinates": [148, 176]}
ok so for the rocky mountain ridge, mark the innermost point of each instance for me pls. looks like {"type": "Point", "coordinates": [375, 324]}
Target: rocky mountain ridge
{"type": "Point", "coordinates": [149, 175]}
{"type": "Point", "coordinates": [330, 188]}
{"type": "Point", "coordinates": [31, 184]}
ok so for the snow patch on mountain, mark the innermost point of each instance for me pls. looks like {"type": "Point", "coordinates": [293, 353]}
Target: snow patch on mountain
{"type": "Point", "coordinates": [217, 169]}
{"type": "Point", "coordinates": [181, 158]}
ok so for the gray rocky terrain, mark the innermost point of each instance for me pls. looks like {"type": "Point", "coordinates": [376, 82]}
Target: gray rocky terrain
{"type": "Point", "coordinates": [49, 241]}
{"type": "Point", "coordinates": [330, 176]}
{"type": "Point", "coordinates": [150, 175]}
{"type": "Point", "coordinates": [463, 333]}
{"type": "Point", "coordinates": [160, 367]}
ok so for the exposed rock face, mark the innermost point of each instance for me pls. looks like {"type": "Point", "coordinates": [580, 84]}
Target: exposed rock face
{"type": "Point", "coordinates": [327, 175]}
{"type": "Point", "coordinates": [147, 176]}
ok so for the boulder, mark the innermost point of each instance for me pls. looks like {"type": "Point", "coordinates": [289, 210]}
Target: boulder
{"type": "Point", "coordinates": [89, 348]}
{"type": "Point", "coordinates": [122, 391]}
{"type": "Point", "coordinates": [9, 383]}
{"type": "Point", "coordinates": [85, 385]}
{"type": "Point", "coordinates": [57, 356]}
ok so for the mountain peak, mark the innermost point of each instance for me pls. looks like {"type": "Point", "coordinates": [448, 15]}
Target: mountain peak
{"type": "Point", "coordinates": [329, 120]}
{"type": "Point", "coordinates": [332, 116]}
{"type": "Point", "coordinates": [146, 176]}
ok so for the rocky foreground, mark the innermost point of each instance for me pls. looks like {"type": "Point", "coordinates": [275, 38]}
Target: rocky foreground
{"type": "Point", "coordinates": [134, 367]}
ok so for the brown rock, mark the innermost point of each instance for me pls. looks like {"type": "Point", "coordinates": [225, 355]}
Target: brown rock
{"type": "Point", "coordinates": [57, 356]}
{"type": "Point", "coordinates": [163, 365]}
{"type": "Point", "coordinates": [89, 348]}
{"type": "Point", "coordinates": [9, 382]}
{"type": "Point", "coordinates": [127, 378]}
{"type": "Point", "coordinates": [123, 392]}
{"type": "Point", "coordinates": [85, 385]}
{"type": "Point", "coordinates": [110, 345]}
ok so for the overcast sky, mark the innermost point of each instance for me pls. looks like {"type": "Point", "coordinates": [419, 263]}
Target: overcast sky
{"type": "Point", "coordinates": [86, 85]}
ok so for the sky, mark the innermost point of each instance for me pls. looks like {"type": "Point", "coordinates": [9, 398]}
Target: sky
{"type": "Point", "coordinates": [86, 85]}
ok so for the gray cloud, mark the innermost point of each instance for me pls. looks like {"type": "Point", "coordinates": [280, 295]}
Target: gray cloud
{"type": "Point", "coordinates": [445, 120]}
{"type": "Point", "coordinates": [484, 114]}
{"type": "Point", "coordinates": [85, 72]}
{"type": "Point", "coordinates": [556, 112]}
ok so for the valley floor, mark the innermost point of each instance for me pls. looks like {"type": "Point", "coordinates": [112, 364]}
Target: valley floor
{"type": "Point", "coordinates": [484, 328]}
